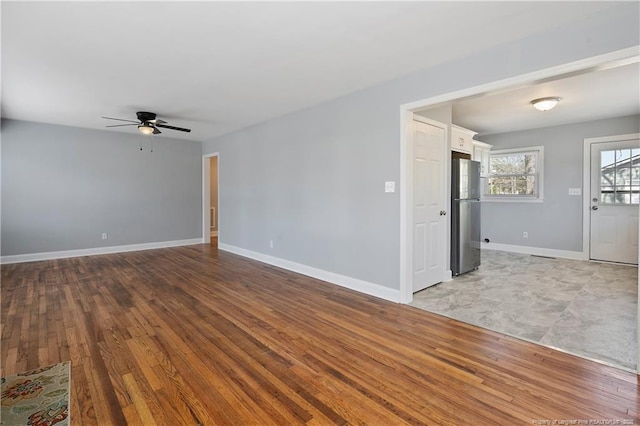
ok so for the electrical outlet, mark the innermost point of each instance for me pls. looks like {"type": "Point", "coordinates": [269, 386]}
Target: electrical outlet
{"type": "Point", "coordinates": [525, 234]}
{"type": "Point", "coordinates": [270, 243]}
{"type": "Point", "coordinates": [104, 235]}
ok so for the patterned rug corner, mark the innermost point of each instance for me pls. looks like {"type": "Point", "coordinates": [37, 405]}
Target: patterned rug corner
{"type": "Point", "coordinates": [38, 397]}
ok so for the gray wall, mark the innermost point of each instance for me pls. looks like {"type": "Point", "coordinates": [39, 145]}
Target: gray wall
{"type": "Point", "coordinates": [313, 181]}
{"type": "Point", "coordinates": [62, 187]}
{"type": "Point", "coordinates": [557, 222]}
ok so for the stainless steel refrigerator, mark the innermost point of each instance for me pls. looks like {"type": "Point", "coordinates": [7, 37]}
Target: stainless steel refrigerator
{"type": "Point", "coordinates": [465, 215]}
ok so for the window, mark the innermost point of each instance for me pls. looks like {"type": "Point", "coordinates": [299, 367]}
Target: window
{"type": "Point", "coordinates": [515, 175]}
{"type": "Point", "coordinates": [620, 176]}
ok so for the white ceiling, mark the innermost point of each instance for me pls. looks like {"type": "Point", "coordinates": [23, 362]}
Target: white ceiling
{"type": "Point", "coordinates": [220, 66]}
{"type": "Point", "coordinates": [596, 95]}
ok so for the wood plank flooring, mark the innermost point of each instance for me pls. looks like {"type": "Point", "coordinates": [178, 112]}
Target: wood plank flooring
{"type": "Point", "coordinates": [191, 336]}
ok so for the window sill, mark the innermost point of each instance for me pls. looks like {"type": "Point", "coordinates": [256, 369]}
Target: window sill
{"type": "Point", "coordinates": [511, 200]}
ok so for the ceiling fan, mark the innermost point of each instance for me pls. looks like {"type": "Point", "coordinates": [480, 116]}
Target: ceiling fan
{"type": "Point", "coordinates": [147, 123]}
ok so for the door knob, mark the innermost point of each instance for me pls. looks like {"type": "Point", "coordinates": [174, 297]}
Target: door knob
{"type": "Point", "coordinates": [594, 208]}
{"type": "Point", "coordinates": [443, 213]}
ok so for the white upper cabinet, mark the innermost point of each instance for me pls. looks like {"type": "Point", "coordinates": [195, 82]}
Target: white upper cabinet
{"type": "Point", "coordinates": [481, 152]}
{"type": "Point", "coordinates": [462, 139]}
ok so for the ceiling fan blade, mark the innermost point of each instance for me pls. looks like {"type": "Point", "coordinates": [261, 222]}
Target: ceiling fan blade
{"type": "Point", "coordinates": [180, 129]}
{"type": "Point", "coordinates": [156, 131]}
{"type": "Point", "coordinates": [157, 121]}
{"type": "Point", "coordinates": [120, 125]}
{"type": "Point", "coordinates": [120, 119]}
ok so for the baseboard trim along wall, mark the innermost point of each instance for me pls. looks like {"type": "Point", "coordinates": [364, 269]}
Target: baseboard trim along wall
{"type": "Point", "coordinates": [33, 257]}
{"type": "Point", "coordinates": [365, 287]}
{"type": "Point", "coordinates": [536, 251]}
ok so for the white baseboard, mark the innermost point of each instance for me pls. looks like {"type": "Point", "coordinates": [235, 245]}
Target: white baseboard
{"type": "Point", "coordinates": [365, 287]}
{"type": "Point", "coordinates": [33, 257]}
{"type": "Point", "coordinates": [536, 251]}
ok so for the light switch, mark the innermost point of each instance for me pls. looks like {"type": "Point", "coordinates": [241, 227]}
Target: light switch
{"type": "Point", "coordinates": [575, 191]}
{"type": "Point", "coordinates": [389, 187]}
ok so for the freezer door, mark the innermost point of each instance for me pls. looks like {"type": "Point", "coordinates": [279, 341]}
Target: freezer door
{"type": "Point", "coordinates": [474, 180]}
{"type": "Point", "coordinates": [465, 179]}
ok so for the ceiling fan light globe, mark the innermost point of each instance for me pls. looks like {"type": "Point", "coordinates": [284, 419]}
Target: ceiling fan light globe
{"type": "Point", "coordinates": [545, 104]}
{"type": "Point", "coordinates": [146, 129]}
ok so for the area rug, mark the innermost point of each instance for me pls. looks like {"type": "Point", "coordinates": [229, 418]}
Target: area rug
{"type": "Point", "coordinates": [36, 398]}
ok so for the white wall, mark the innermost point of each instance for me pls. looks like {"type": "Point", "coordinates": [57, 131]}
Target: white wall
{"type": "Point", "coordinates": [313, 181]}
{"type": "Point", "coordinates": [557, 222]}
{"type": "Point", "coordinates": [62, 187]}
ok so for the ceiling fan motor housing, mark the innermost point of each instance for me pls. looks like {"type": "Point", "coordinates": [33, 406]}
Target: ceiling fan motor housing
{"type": "Point", "coordinates": [144, 116]}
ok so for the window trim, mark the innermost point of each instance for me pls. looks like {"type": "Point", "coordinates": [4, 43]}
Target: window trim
{"type": "Point", "coordinates": [513, 198]}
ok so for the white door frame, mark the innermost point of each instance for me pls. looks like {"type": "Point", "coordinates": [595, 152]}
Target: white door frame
{"type": "Point", "coordinates": [619, 57]}
{"type": "Point", "coordinates": [586, 185]}
{"type": "Point", "coordinates": [206, 196]}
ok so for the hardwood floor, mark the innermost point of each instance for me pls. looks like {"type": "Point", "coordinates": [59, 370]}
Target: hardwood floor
{"type": "Point", "coordinates": [191, 335]}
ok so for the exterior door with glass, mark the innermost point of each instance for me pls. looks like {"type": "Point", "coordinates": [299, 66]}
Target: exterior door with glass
{"type": "Point", "coordinates": [614, 199]}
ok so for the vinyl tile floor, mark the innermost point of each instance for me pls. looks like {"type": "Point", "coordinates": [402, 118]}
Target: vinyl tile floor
{"type": "Point", "coordinates": [585, 308]}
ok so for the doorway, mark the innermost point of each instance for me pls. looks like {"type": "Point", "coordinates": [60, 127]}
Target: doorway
{"type": "Point", "coordinates": [213, 200]}
{"type": "Point", "coordinates": [210, 199]}
{"type": "Point", "coordinates": [408, 113]}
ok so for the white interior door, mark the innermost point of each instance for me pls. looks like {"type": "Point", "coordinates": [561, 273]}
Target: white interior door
{"type": "Point", "coordinates": [429, 216]}
{"type": "Point", "coordinates": [615, 194]}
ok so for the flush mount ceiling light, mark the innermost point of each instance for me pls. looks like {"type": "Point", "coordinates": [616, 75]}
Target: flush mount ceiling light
{"type": "Point", "coordinates": [545, 104]}
{"type": "Point", "coordinates": [146, 128]}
